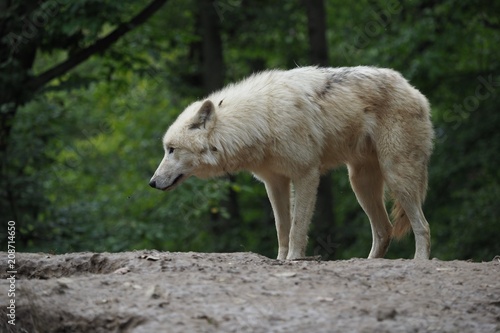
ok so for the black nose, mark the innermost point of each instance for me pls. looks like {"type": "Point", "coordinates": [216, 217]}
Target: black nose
{"type": "Point", "coordinates": [152, 183]}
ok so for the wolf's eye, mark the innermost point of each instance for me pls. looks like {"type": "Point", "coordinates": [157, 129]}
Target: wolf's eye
{"type": "Point", "coordinates": [170, 150]}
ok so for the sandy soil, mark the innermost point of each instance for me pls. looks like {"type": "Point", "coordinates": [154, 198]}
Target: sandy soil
{"type": "Point", "coordinates": [148, 291]}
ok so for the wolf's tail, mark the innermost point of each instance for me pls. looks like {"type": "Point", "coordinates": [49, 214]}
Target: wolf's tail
{"type": "Point", "coordinates": [401, 223]}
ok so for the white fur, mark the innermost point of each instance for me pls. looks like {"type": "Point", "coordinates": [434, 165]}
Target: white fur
{"type": "Point", "coordinates": [288, 127]}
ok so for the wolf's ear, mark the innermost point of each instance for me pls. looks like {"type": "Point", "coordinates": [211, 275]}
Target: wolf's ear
{"type": "Point", "coordinates": [205, 117]}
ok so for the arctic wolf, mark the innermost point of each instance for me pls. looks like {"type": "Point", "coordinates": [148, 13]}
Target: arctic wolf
{"type": "Point", "coordinates": [289, 127]}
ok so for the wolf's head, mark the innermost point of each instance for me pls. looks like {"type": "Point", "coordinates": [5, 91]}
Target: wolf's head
{"type": "Point", "coordinates": [187, 148]}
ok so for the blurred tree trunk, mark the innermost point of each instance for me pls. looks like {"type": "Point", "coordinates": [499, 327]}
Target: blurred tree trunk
{"type": "Point", "coordinates": [212, 58]}
{"type": "Point", "coordinates": [213, 79]}
{"type": "Point", "coordinates": [316, 27]}
{"type": "Point", "coordinates": [318, 55]}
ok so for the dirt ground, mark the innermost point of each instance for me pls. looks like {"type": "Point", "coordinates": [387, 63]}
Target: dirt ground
{"type": "Point", "coordinates": [148, 291]}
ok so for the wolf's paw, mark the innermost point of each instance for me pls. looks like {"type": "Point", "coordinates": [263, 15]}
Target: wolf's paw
{"type": "Point", "coordinates": [282, 253]}
{"type": "Point", "coordinates": [293, 255]}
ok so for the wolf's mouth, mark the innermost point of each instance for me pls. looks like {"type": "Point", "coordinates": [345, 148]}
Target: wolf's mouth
{"type": "Point", "coordinates": [176, 180]}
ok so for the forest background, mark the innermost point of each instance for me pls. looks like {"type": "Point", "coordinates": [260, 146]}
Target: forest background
{"type": "Point", "coordinates": [88, 87]}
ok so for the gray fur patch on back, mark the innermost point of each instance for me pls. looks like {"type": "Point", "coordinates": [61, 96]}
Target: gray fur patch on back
{"type": "Point", "coordinates": [340, 75]}
{"type": "Point", "coordinates": [334, 77]}
{"type": "Point", "coordinates": [326, 87]}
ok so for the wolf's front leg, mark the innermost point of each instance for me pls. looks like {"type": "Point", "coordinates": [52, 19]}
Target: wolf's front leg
{"type": "Point", "coordinates": [278, 190]}
{"type": "Point", "coordinates": [306, 188]}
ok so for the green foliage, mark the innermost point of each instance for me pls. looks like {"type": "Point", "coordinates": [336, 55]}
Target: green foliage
{"type": "Point", "coordinates": [81, 153]}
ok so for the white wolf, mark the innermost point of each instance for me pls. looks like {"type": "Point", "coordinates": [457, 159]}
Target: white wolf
{"type": "Point", "coordinates": [289, 127]}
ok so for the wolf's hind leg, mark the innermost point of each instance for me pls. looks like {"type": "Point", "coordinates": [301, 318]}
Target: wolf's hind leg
{"type": "Point", "coordinates": [408, 182]}
{"type": "Point", "coordinates": [413, 209]}
{"type": "Point", "coordinates": [278, 191]}
{"type": "Point", "coordinates": [306, 188]}
{"type": "Point", "coordinates": [368, 185]}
